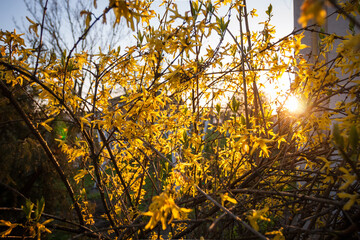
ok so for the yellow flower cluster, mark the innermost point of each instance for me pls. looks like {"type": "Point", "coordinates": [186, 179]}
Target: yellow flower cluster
{"type": "Point", "coordinates": [312, 9]}
{"type": "Point", "coordinates": [161, 207]}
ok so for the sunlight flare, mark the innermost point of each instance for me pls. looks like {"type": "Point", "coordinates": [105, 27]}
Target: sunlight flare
{"type": "Point", "coordinates": [293, 104]}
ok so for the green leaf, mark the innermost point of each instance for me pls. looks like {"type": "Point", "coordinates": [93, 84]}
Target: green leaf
{"type": "Point", "coordinates": [353, 137]}
{"type": "Point", "coordinates": [221, 25]}
{"type": "Point", "coordinates": [352, 27]}
{"type": "Point", "coordinates": [209, 7]}
{"type": "Point", "coordinates": [242, 119]}
{"type": "Point", "coordinates": [269, 10]}
{"type": "Point", "coordinates": [218, 108]}
{"type": "Point", "coordinates": [40, 207]}
{"type": "Point", "coordinates": [192, 8]}
{"type": "Point", "coordinates": [339, 140]}
{"type": "Point", "coordinates": [27, 209]}
{"type": "Point", "coordinates": [234, 106]}
{"type": "Point", "coordinates": [321, 35]}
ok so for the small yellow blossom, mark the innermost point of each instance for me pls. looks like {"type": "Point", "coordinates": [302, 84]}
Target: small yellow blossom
{"type": "Point", "coordinates": [225, 197]}
{"type": "Point", "coordinates": [257, 215]}
{"type": "Point", "coordinates": [312, 9]}
{"type": "Point", "coordinates": [160, 208]}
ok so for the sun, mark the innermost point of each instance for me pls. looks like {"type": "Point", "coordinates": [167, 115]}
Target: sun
{"type": "Point", "coordinates": [293, 104]}
{"type": "Point", "coordinates": [279, 96]}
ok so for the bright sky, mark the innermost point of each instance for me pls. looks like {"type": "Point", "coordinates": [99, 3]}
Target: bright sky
{"type": "Point", "coordinates": [15, 10]}
{"type": "Point", "coordinates": [11, 10]}
{"type": "Point", "coordinates": [282, 11]}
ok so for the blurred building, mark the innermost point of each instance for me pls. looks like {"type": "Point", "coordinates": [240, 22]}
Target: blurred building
{"type": "Point", "coordinates": [333, 25]}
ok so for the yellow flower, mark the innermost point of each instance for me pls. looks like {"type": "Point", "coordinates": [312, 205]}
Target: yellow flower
{"type": "Point", "coordinates": [312, 9]}
{"type": "Point", "coordinates": [350, 45]}
{"type": "Point", "coordinates": [349, 178]}
{"type": "Point", "coordinates": [278, 234]}
{"type": "Point", "coordinates": [225, 197]}
{"type": "Point", "coordinates": [297, 43]}
{"type": "Point", "coordinates": [257, 215]}
{"type": "Point", "coordinates": [161, 207]}
{"type": "Point", "coordinates": [352, 199]}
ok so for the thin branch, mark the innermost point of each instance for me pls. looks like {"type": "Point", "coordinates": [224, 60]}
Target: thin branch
{"type": "Point", "coordinates": [247, 226]}
{"type": "Point", "coordinates": [41, 37]}
{"type": "Point", "coordinates": [46, 148]}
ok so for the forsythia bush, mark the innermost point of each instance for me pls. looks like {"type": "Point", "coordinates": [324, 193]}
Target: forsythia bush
{"type": "Point", "coordinates": [176, 127]}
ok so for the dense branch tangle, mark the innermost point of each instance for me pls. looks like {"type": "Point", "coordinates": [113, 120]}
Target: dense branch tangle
{"type": "Point", "coordinates": [181, 139]}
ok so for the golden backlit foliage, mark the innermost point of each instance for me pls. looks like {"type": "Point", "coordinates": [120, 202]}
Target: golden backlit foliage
{"type": "Point", "coordinates": [176, 127]}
